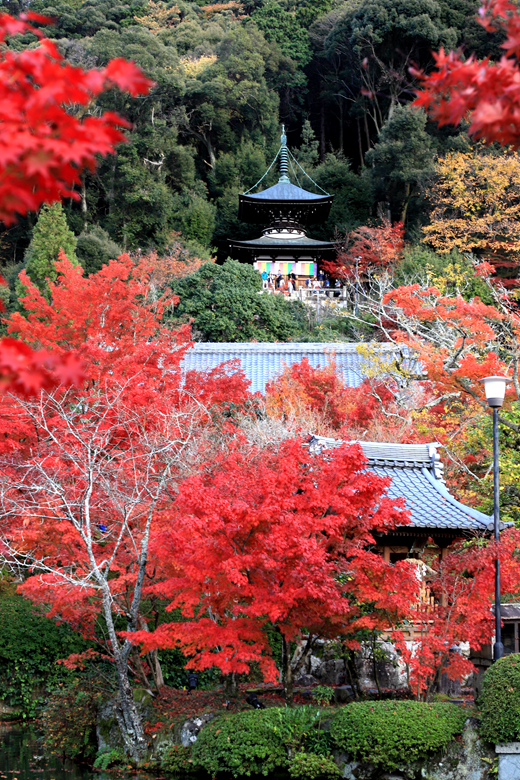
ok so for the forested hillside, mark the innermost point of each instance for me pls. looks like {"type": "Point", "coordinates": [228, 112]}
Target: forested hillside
{"type": "Point", "coordinates": [227, 75]}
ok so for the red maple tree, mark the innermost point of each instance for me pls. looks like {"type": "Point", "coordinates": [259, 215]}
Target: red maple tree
{"type": "Point", "coordinates": [44, 146]}
{"type": "Point", "coordinates": [367, 250]}
{"type": "Point", "coordinates": [463, 583]}
{"type": "Point", "coordinates": [486, 91]}
{"type": "Point", "coordinates": [87, 473]}
{"type": "Point", "coordinates": [276, 537]}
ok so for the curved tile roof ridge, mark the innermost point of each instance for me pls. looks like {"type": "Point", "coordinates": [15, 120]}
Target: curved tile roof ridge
{"type": "Point", "coordinates": [292, 346]}
{"type": "Point", "coordinates": [416, 473]}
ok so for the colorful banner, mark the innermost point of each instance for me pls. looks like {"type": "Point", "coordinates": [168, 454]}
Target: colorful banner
{"type": "Point", "coordinates": [285, 268]}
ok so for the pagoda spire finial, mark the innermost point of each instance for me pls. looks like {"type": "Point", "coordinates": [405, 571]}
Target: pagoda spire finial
{"type": "Point", "coordinates": [284, 158]}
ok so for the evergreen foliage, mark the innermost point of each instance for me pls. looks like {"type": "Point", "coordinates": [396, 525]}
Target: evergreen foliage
{"type": "Point", "coordinates": [30, 644]}
{"type": "Point", "coordinates": [401, 159]}
{"type": "Point", "coordinates": [95, 248]}
{"type": "Point", "coordinates": [226, 304]}
{"type": "Point", "coordinates": [227, 75]}
{"type": "Point", "coordinates": [242, 744]}
{"type": "Point", "coordinates": [50, 235]}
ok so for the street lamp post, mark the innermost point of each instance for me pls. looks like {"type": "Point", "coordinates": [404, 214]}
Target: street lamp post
{"type": "Point", "coordinates": [495, 389]}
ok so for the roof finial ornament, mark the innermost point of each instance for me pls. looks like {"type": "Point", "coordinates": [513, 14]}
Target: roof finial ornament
{"type": "Point", "coordinates": [284, 158]}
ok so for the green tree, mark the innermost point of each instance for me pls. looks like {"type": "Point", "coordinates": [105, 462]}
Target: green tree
{"type": "Point", "coordinates": [226, 304]}
{"type": "Point", "coordinates": [95, 248]}
{"type": "Point", "coordinates": [308, 155]}
{"type": "Point", "coordinates": [352, 197]}
{"type": "Point", "coordinates": [401, 159]}
{"type": "Point", "coordinates": [51, 233]}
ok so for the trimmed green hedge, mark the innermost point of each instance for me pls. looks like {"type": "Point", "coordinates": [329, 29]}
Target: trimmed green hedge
{"type": "Point", "coordinates": [500, 701]}
{"type": "Point", "coordinates": [243, 744]}
{"type": "Point", "coordinates": [389, 733]}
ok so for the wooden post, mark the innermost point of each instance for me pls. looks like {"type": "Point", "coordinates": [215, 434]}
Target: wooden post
{"type": "Point", "coordinates": [386, 553]}
{"type": "Point", "coordinates": [443, 555]}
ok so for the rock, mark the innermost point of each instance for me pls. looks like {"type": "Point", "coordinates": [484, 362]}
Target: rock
{"type": "Point", "coordinates": [331, 672]}
{"type": "Point", "coordinates": [306, 679]}
{"type": "Point", "coordinates": [343, 693]}
{"type": "Point", "coordinates": [190, 728]}
{"type": "Point", "coordinates": [467, 760]}
{"type": "Point", "coordinates": [8, 713]}
{"type": "Point", "coordinates": [107, 729]}
{"type": "Point", "coordinates": [508, 767]}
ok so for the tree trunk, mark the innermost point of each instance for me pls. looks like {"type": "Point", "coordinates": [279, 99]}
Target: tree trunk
{"type": "Point", "coordinates": [367, 134]}
{"type": "Point", "coordinates": [84, 209]}
{"type": "Point", "coordinates": [231, 685]}
{"type": "Point", "coordinates": [360, 144]}
{"type": "Point", "coordinates": [131, 724]}
{"type": "Point", "coordinates": [287, 674]}
{"type": "Point", "coordinates": [112, 185]}
{"type": "Point", "coordinates": [322, 133]}
{"type": "Point", "coordinates": [374, 664]}
{"type": "Point", "coordinates": [407, 196]}
{"type": "Point", "coordinates": [140, 668]}
{"type": "Point", "coordinates": [155, 666]}
{"type": "Point", "coordinates": [341, 129]}
{"type": "Point", "coordinates": [153, 660]}
{"type": "Point", "coordinates": [128, 718]}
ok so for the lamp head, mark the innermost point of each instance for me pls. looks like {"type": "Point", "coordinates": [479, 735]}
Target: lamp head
{"type": "Point", "coordinates": [495, 389]}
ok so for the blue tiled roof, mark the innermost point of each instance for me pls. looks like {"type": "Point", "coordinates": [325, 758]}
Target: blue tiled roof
{"type": "Point", "coordinates": [416, 474]}
{"type": "Point", "coordinates": [262, 362]}
{"type": "Point", "coordinates": [286, 191]}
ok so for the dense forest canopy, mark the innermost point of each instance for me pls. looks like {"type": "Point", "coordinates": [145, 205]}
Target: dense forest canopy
{"type": "Point", "coordinates": [227, 75]}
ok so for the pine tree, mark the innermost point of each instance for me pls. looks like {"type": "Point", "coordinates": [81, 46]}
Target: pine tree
{"type": "Point", "coordinates": [51, 233]}
{"type": "Point", "coordinates": [308, 155]}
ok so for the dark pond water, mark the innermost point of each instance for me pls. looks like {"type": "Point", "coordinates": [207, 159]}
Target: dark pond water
{"type": "Point", "coordinates": [21, 759]}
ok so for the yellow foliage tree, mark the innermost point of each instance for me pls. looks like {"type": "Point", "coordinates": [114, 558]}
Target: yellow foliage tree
{"type": "Point", "coordinates": [158, 16]}
{"type": "Point", "coordinates": [476, 199]}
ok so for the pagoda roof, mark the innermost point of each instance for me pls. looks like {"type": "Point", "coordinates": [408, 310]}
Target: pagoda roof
{"type": "Point", "coordinates": [416, 474]}
{"type": "Point", "coordinates": [267, 240]}
{"type": "Point", "coordinates": [284, 190]}
{"type": "Point", "coordinates": [284, 201]}
{"type": "Point", "coordinates": [271, 247]}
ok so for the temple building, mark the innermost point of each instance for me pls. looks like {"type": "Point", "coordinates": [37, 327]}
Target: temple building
{"type": "Point", "coordinates": [284, 208]}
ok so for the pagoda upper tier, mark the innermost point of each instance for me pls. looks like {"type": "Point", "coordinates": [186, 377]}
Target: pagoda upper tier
{"type": "Point", "coordinates": [284, 201]}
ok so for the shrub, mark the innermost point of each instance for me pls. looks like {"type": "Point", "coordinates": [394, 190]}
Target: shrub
{"type": "Point", "coordinates": [387, 733]}
{"type": "Point", "coordinates": [243, 744]}
{"type": "Point", "coordinates": [323, 694]}
{"type": "Point", "coordinates": [500, 701]}
{"type": "Point", "coordinates": [69, 723]}
{"type": "Point", "coordinates": [110, 758]}
{"type": "Point", "coordinates": [296, 726]}
{"type": "Point", "coordinates": [308, 766]}
{"type": "Point", "coordinates": [177, 761]}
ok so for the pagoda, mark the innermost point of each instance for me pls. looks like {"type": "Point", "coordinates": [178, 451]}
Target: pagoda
{"type": "Point", "coordinates": [284, 246]}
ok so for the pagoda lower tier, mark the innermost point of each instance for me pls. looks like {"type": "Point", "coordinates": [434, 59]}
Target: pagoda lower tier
{"type": "Point", "coordinates": [283, 246]}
